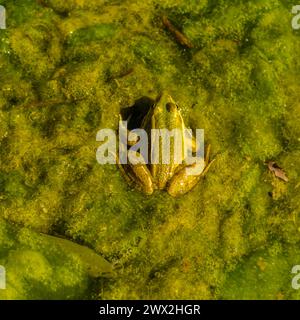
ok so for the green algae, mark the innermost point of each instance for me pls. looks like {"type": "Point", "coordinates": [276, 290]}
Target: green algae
{"type": "Point", "coordinates": [263, 275]}
{"type": "Point", "coordinates": [40, 266]}
{"type": "Point", "coordinates": [67, 68]}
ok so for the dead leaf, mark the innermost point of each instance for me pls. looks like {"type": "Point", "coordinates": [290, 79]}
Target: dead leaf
{"type": "Point", "coordinates": [279, 173]}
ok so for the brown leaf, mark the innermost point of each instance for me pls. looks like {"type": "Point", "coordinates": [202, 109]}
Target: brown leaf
{"type": "Point", "coordinates": [279, 173]}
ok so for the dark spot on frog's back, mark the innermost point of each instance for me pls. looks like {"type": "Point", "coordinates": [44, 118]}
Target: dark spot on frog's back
{"type": "Point", "coordinates": [137, 112]}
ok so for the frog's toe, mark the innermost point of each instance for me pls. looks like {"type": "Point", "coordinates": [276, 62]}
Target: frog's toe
{"type": "Point", "coordinates": [177, 187]}
{"type": "Point", "coordinates": [148, 190]}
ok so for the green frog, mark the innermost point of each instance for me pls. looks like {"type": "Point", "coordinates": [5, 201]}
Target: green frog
{"type": "Point", "coordinates": [160, 175]}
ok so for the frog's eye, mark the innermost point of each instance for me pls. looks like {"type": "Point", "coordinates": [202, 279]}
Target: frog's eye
{"type": "Point", "coordinates": [171, 107]}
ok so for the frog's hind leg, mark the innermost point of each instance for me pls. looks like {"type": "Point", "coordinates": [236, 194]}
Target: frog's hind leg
{"type": "Point", "coordinates": [126, 176]}
{"type": "Point", "coordinates": [142, 177]}
{"type": "Point", "coordinates": [206, 159]}
{"type": "Point", "coordinates": [207, 154]}
{"type": "Point", "coordinates": [137, 176]}
{"type": "Point", "coordinates": [207, 162]}
{"type": "Point", "coordinates": [182, 183]}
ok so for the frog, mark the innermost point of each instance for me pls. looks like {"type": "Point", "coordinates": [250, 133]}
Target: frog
{"type": "Point", "coordinates": [172, 176]}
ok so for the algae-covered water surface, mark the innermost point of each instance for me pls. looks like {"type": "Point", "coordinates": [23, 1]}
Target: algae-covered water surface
{"type": "Point", "coordinates": [71, 228]}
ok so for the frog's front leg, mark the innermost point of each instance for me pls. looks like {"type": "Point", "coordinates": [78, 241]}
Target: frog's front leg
{"type": "Point", "coordinates": [182, 183]}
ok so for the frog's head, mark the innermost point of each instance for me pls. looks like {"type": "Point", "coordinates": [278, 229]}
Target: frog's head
{"type": "Point", "coordinates": [165, 105]}
{"type": "Point", "coordinates": [165, 114]}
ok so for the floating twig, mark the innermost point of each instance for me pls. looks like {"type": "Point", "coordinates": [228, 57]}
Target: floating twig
{"type": "Point", "coordinates": [279, 173]}
{"type": "Point", "coordinates": [120, 75]}
{"type": "Point", "coordinates": [179, 36]}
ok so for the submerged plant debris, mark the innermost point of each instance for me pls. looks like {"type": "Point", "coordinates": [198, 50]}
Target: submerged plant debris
{"type": "Point", "coordinates": [68, 68]}
{"type": "Point", "coordinates": [180, 37]}
{"type": "Point", "coordinates": [278, 172]}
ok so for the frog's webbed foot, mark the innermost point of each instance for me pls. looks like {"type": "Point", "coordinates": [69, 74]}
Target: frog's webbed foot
{"type": "Point", "coordinates": [182, 183]}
